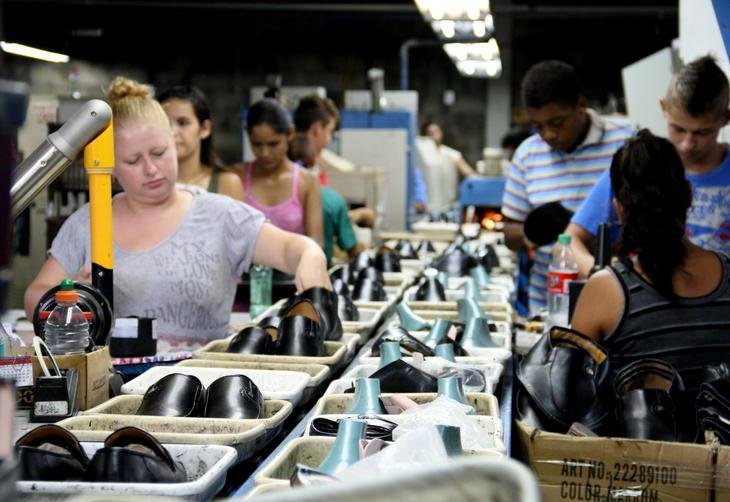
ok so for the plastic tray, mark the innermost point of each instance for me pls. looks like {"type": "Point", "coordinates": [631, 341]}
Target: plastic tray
{"type": "Point", "coordinates": [246, 436]}
{"type": "Point", "coordinates": [487, 356]}
{"type": "Point", "coordinates": [206, 466]}
{"type": "Point", "coordinates": [497, 282]}
{"type": "Point", "coordinates": [502, 337]}
{"type": "Point", "coordinates": [369, 319]}
{"type": "Point", "coordinates": [490, 427]}
{"type": "Point", "coordinates": [492, 373]}
{"type": "Point", "coordinates": [318, 373]}
{"type": "Point", "coordinates": [334, 355]}
{"type": "Point", "coordinates": [453, 315]}
{"type": "Point", "coordinates": [275, 412]}
{"type": "Point", "coordinates": [484, 404]}
{"type": "Point", "coordinates": [311, 451]}
{"type": "Point", "coordinates": [495, 299]}
{"type": "Point", "coordinates": [467, 479]}
{"type": "Point", "coordinates": [286, 385]}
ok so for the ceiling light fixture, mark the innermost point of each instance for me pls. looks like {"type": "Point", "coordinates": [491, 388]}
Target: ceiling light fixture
{"type": "Point", "coordinates": [32, 52]}
{"type": "Point", "coordinates": [464, 20]}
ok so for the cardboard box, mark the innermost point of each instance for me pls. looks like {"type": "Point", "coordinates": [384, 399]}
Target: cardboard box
{"type": "Point", "coordinates": [93, 376]}
{"type": "Point", "coordinates": [722, 475]}
{"type": "Point", "coordinates": [613, 469]}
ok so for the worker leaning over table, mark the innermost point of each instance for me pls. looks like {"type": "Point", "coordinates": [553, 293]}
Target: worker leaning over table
{"type": "Point", "coordinates": [178, 250]}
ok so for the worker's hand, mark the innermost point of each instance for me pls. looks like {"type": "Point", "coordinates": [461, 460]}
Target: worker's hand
{"type": "Point", "coordinates": [83, 275]}
{"type": "Point", "coordinates": [420, 207]}
{"type": "Point", "coordinates": [312, 272]}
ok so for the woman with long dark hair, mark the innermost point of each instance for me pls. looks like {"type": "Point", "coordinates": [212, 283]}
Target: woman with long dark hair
{"type": "Point", "coordinates": [667, 298]}
{"type": "Point", "coordinates": [192, 126]}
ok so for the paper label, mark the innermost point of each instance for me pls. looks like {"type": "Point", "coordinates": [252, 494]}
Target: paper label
{"type": "Point", "coordinates": [125, 327]}
{"type": "Point", "coordinates": [19, 369]}
{"type": "Point", "coordinates": [557, 282]}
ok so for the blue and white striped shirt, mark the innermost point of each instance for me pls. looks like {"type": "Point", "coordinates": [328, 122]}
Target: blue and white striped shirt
{"type": "Point", "coordinates": [539, 175]}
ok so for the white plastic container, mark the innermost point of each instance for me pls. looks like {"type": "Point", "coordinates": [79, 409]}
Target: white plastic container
{"type": "Point", "coordinates": [286, 385]}
{"type": "Point", "coordinates": [206, 466]}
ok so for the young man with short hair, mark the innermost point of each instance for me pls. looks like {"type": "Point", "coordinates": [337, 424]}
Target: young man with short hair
{"type": "Point", "coordinates": [562, 162]}
{"type": "Point", "coordinates": [696, 108]}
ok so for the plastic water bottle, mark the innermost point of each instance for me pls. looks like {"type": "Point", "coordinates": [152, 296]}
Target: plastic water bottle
{"type": "Point", "coordinates": [67, 330]}
{"type": "Point", "coordinates": [563, 269]}
{"type": "Point", "coordinates": [260, 293]}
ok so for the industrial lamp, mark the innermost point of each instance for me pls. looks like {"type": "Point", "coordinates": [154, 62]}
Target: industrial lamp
{"type": "Point", "coordinates": [476, 60]}
{"type": "Point", "coordinates": [463, 20]}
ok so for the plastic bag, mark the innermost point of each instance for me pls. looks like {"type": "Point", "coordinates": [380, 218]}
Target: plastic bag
{"type": "Point", "coordinates": [419, 447]}
{"type": "Point", "coordinates": [473, 379]}
{"type": "Point", "coordinates": [445, 411]}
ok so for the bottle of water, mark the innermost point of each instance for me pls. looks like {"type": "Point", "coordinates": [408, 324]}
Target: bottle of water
{"type": "Point", "coordinates": [563, 269]}
{"type": "Point", "coordinates": [260, 293]}
{"type": "Point", "coordinates": [67, 330]}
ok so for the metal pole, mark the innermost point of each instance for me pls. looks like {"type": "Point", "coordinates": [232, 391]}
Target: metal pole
{"type": "Point", "coordinates": [405, 57]}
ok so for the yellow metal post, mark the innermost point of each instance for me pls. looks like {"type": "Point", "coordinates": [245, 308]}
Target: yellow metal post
{"type": "Point", "coordinates": [99, 163]}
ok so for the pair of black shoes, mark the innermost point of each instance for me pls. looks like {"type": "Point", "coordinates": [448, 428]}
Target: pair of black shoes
{"type": "Point", "coordinates": [297, 332]}
{"type": "Point", "coordinates": [565, 378]}
{"type": "Point", "coordinates": [367, 281]}
{"type": "Point", "coordinates": [129, 455]}
{"type": "Point", "coordinates": [180, 395]}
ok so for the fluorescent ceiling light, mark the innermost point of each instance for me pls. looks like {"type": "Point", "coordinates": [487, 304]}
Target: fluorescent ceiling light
{"type": "Point", "coordinates": [483, 51]}
{"type": "Point", "coordinates": [32, 52]}
{"type": "Point", "coordinates": [454, 10]}
{"type": "Point", "coordinates": [464, 20]}
{"type": "Point", "coordinates": [480, 69]}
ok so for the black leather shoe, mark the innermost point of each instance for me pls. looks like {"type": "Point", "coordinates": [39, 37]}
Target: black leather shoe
{"type": "Point", "coordinates": [430, 290]}
{"type": "Point", "coordinates": [233, 396]}
{"type": "Point", "coordinates": [399, 376]}
{"type": "Point", "coordinates": [406, 250]}
{"type": "Point", "coordinates": [272, 321]}
{"type": "Point", "coordinates": [347, 273]}
{"type": "Point", "coordinates": [174, 395]}
{"type": "Point", "coordinates": [710, 419]}
{"type": "Point", "coordinates": [371, 273]}
{"type": "Point", "coordinates": [300, 332]}
{"type": "Point", "coordinates": [340, 287]}
{"type": "Point", "coordinates": [716, 372]}
{"type": "Point", "coordinates": [131, 455]}
{"type": "Point", "coordinates": [566, 379]}
{"type": "Point", "coordinates": [645, 406]}
{"type": "Point", "coordinates": [346, 309]}
{"type": "Point", "coordinates": [488, 257]}
{"type": "Point", "coordinates": [50, 453]}
{"type": "Point", "coordinates": [407, 342]}
{"type": "Point", "coordinates": [715, 393]}
{"type": "Point", "coordinates": [253, 340]}
{"type": "Point", "coordinates": [387, 260]}
{"type": "Point", "coordinates": [361, 261]}
{"type": "Point", "coordinates": [426, 247]}
{"type": "Point", "coordinates": [325, 301]}
{"type": "Point", "coordinates": [456, 262]}
{"type": "Point", "coordinates": [368, 290]}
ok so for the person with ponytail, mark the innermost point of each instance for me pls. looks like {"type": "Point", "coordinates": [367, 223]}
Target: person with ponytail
{"type": "Point", "coordinates": [666, 298]}
{"type": "Point", "coordinates": [178, 250]}
{"type": "Point", "coordinates": [192, 127]}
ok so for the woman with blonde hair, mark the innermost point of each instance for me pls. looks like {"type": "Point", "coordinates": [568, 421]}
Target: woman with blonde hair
{"type": "Point", "coordinates": [178, 250]}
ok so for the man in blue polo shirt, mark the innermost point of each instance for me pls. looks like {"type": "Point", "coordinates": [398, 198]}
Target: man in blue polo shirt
{"type": "Point", "coordinates": [696, 108]}
{"type": "Point", "coordinates": [562, 162]}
